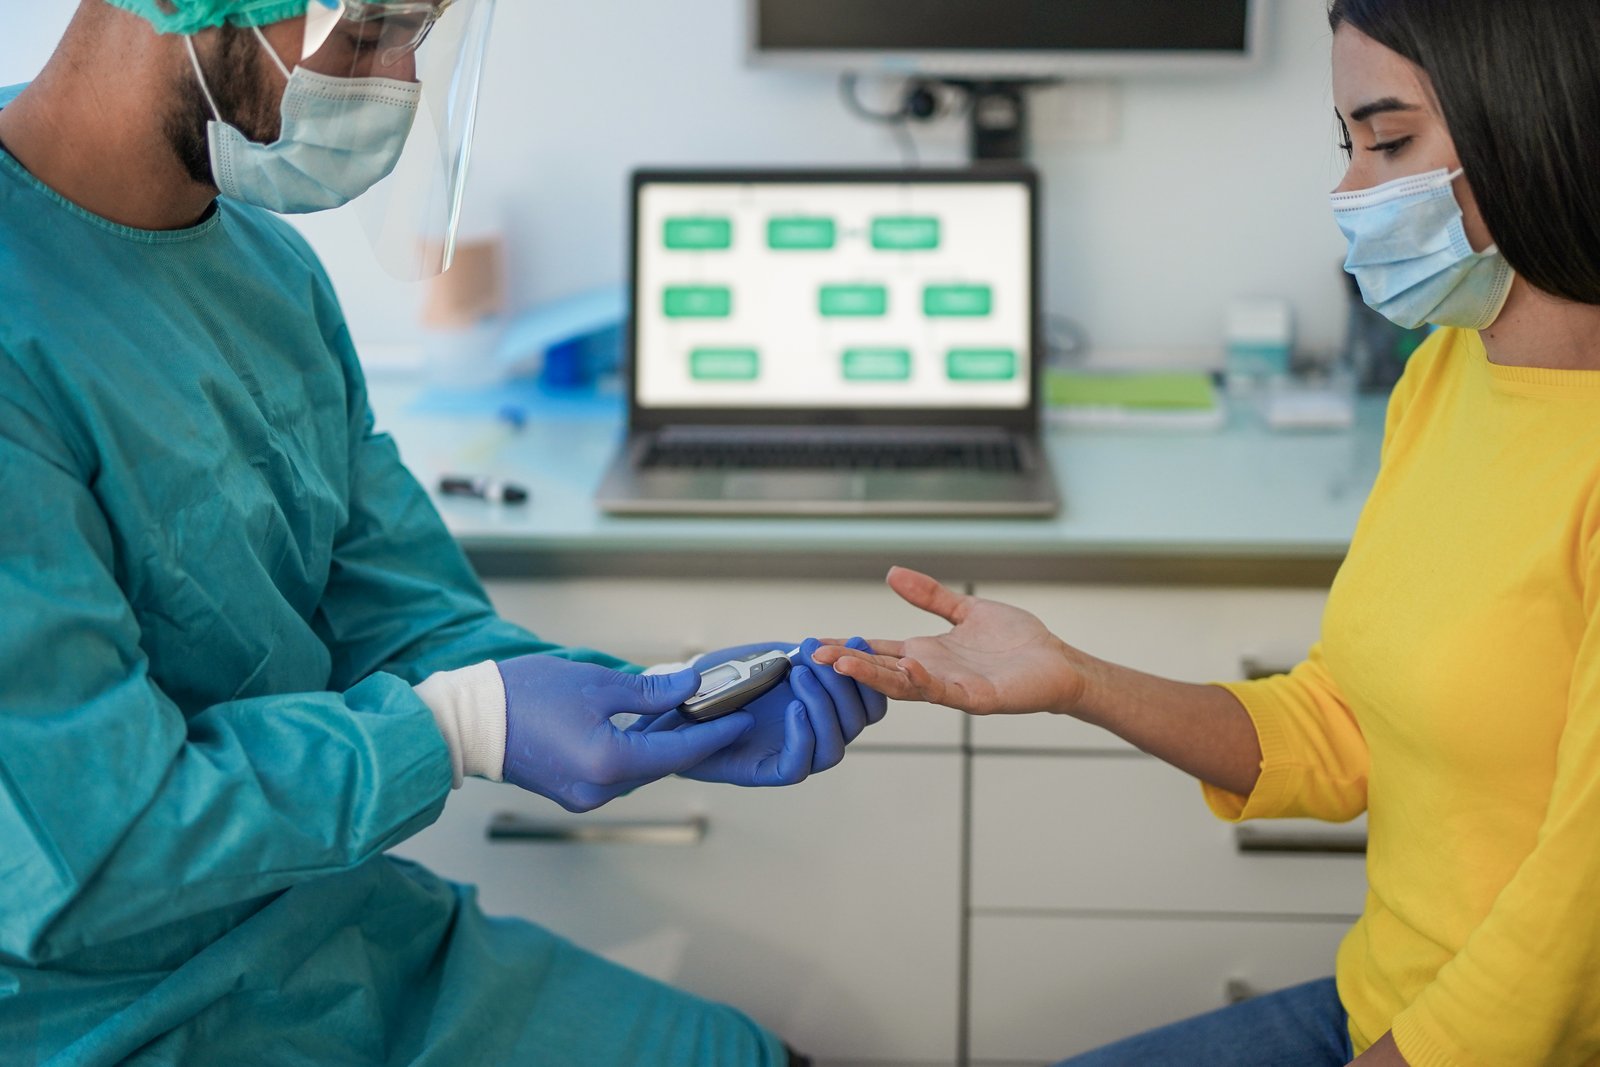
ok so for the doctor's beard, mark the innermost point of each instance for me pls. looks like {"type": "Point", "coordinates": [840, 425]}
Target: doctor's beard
{"type": "Point", "coordinates": [248, 91]}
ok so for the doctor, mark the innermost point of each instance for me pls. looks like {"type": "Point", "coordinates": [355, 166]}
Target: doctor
{"type": "Point", "coordinates": [240, 656]}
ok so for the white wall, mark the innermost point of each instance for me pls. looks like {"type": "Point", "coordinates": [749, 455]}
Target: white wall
{"type": "Point", "coordinates": [1213, 188]}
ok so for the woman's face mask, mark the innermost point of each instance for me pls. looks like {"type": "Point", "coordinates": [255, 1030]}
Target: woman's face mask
{"type": "Point", "coordinates": [1410, 253]}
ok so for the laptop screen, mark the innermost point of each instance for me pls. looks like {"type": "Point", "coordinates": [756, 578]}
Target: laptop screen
{"type": "Point", "coordinates": [882, 292]}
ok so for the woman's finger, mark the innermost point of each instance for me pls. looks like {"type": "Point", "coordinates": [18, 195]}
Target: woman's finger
{"type": "Point", "coordinates": [883, 675]}
{"type": "Point", "coordinates": [933, 689]}
{"type": "Point", "coordinates": [875, 703]}
{"type": "Point", "coordinates": [846, 694]}
{"type": "Point", "coordinates": [881, 645]}
{"type": "Point", "coordinates": [828, 655]}
{"type": "Point", "coordinates": [919, 590]}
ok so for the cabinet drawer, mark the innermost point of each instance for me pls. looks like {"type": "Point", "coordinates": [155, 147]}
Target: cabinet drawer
{"type": "Point", "coordinates": [829, 911]}
{"type": "Point", "coordinates": [1044, 988]}
{"type": "Point", "coordinates": [1131, 833]}
{"type": "Point", "coordinates": [1190, 635]}
{"type": "Point", "coordinates": [663, 621]}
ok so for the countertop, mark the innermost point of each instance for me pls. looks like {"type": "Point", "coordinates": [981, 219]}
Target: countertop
{"type": "Point", "coordinates": [1240, 505]}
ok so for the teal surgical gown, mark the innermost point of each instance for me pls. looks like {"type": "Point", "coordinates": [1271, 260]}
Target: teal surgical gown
{"type": "Point", "coordinates": [218, 585]}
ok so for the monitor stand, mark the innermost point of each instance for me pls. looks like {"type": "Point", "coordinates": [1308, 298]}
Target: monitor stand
{"type": "Point", "coordinates": [997, 117]}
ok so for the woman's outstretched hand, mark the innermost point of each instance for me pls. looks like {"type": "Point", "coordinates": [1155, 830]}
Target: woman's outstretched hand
{"type": "Point", "coordinates": [996, 660]}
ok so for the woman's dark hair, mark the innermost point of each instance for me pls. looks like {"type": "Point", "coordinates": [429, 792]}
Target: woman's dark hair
{"type": "Point", "coordinates": [1519, 84]}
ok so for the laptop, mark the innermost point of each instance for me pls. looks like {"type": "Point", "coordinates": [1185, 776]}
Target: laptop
{"type": "Point", "coordinates": [834, 343]}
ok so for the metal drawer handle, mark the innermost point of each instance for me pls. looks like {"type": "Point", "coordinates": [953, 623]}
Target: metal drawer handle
{"type": "Point", "coordinates": [1264, 839]}
{"type": "Point", "coordinates": [509, 827]}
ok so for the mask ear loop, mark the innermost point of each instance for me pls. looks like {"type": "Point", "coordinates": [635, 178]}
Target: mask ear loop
{"type": "Point", "coordinates": [276, 61]}
{"type": "Point", "coordinates": [199, 76]}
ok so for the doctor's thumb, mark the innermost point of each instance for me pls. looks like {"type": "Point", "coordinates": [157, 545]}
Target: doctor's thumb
{"type": "Point", "coordinates": [653, 694]}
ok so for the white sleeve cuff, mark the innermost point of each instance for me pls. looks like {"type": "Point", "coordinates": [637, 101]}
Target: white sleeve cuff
{"type": "Point", "coordinates": [469, 706]}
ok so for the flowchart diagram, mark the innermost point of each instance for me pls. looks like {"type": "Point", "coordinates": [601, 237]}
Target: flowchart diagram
{"type": "Point", "coordinates": [851, 294]}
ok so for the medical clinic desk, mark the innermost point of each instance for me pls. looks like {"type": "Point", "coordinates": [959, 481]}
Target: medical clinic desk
{"type": "Point", "coordinates": [986, 891]}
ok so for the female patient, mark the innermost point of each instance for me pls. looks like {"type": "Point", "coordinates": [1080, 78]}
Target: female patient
{"type": "Point", "coordinates": [1455, 692]}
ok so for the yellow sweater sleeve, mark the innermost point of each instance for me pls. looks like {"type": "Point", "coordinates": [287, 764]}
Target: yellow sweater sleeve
{"type": "Point", "coordinates": [1313, 758]}
{"type": "Point", "coordinates": [1525, 988]}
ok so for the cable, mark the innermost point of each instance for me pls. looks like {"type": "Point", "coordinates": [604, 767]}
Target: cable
{"type": "Point", "coordinates": [899, 120]}
{"type": "Point", "coordinates": [850, 92]}
{"type": "Point", "coordinates": [908, 146]}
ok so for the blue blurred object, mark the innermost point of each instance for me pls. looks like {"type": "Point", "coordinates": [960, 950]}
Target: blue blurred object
{"type": "Point", "coordinates": [557, 361]}
{"type": "Point", "coordinates": [514, 416]}
{"type": "Point", "coordinates": [571, 344]}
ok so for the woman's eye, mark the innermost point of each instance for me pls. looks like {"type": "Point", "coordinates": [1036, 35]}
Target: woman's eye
{"type": "Point", "coordinates": [1391, 148]}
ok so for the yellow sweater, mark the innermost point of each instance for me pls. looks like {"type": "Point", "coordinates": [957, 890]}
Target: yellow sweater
{"type": "Point", "coordinates": [1455, 696]}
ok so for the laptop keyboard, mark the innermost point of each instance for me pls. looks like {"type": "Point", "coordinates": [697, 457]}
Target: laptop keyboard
{"type": "Point", "coordinates": [998, 456]}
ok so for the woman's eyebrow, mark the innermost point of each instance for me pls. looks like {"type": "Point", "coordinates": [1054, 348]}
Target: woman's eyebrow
{"type": "Point", "coordinates": [1381, 107]}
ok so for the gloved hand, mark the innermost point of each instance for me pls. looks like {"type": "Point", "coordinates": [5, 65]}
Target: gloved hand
{"type": "Point", "coordinates": [561, 744]}
{"type": "Point", "coordinates": [801, 727]}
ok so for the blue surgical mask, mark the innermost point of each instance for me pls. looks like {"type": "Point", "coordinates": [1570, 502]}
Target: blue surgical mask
{"type": "Point", "coordinates": [340, 137]}
{"type": "Point", "coordinates": [1410, 254]}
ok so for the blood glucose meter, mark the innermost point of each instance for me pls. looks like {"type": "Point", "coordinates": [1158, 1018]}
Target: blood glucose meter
{"type": "Point", "coordinates": [729, 686]}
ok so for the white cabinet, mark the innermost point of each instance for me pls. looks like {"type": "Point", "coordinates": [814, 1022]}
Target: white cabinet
{"type": "Point", "coordinates": [1129, 833]}
{"type": "Point", "coordinates": [1106, 899]}
{"type": "Point", "coordinates": [829, 911]}
{"type": "Point", "coordinates": [1048, 987]}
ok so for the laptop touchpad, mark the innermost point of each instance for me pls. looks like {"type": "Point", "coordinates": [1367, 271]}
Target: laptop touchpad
{"type": "Point", "coordinates": [792, 485]}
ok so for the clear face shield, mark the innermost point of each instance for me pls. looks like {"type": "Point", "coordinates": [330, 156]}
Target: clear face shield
{"type": "Point", "coordinates": [412, 214]}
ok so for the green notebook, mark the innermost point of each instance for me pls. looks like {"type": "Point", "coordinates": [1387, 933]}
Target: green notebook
{"type": "Point", "coordinates": [1156, 391]}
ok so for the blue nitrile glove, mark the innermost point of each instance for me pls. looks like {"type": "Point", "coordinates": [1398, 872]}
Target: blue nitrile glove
{"type": "Point", "coordinates": [561, 744]}
{"type": "Point", "coordinates": [802, 725]}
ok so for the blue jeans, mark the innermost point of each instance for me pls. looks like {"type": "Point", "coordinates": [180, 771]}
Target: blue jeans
{"type": "Point", "coordinates": [1301, 1027]}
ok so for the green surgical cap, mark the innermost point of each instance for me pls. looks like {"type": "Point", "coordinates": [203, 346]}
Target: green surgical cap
{"type": "Point", "coordinates": [192, 16]}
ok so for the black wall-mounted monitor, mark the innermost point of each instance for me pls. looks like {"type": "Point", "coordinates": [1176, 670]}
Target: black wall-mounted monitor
{"type": "Point", "coordinates": [1015, 39]}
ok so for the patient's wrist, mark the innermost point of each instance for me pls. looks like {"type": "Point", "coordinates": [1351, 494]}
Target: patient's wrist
{"type": "Point", "coordinates": [1072, 682]}
{"type": "Point", "coordinates": [1088, 686]}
